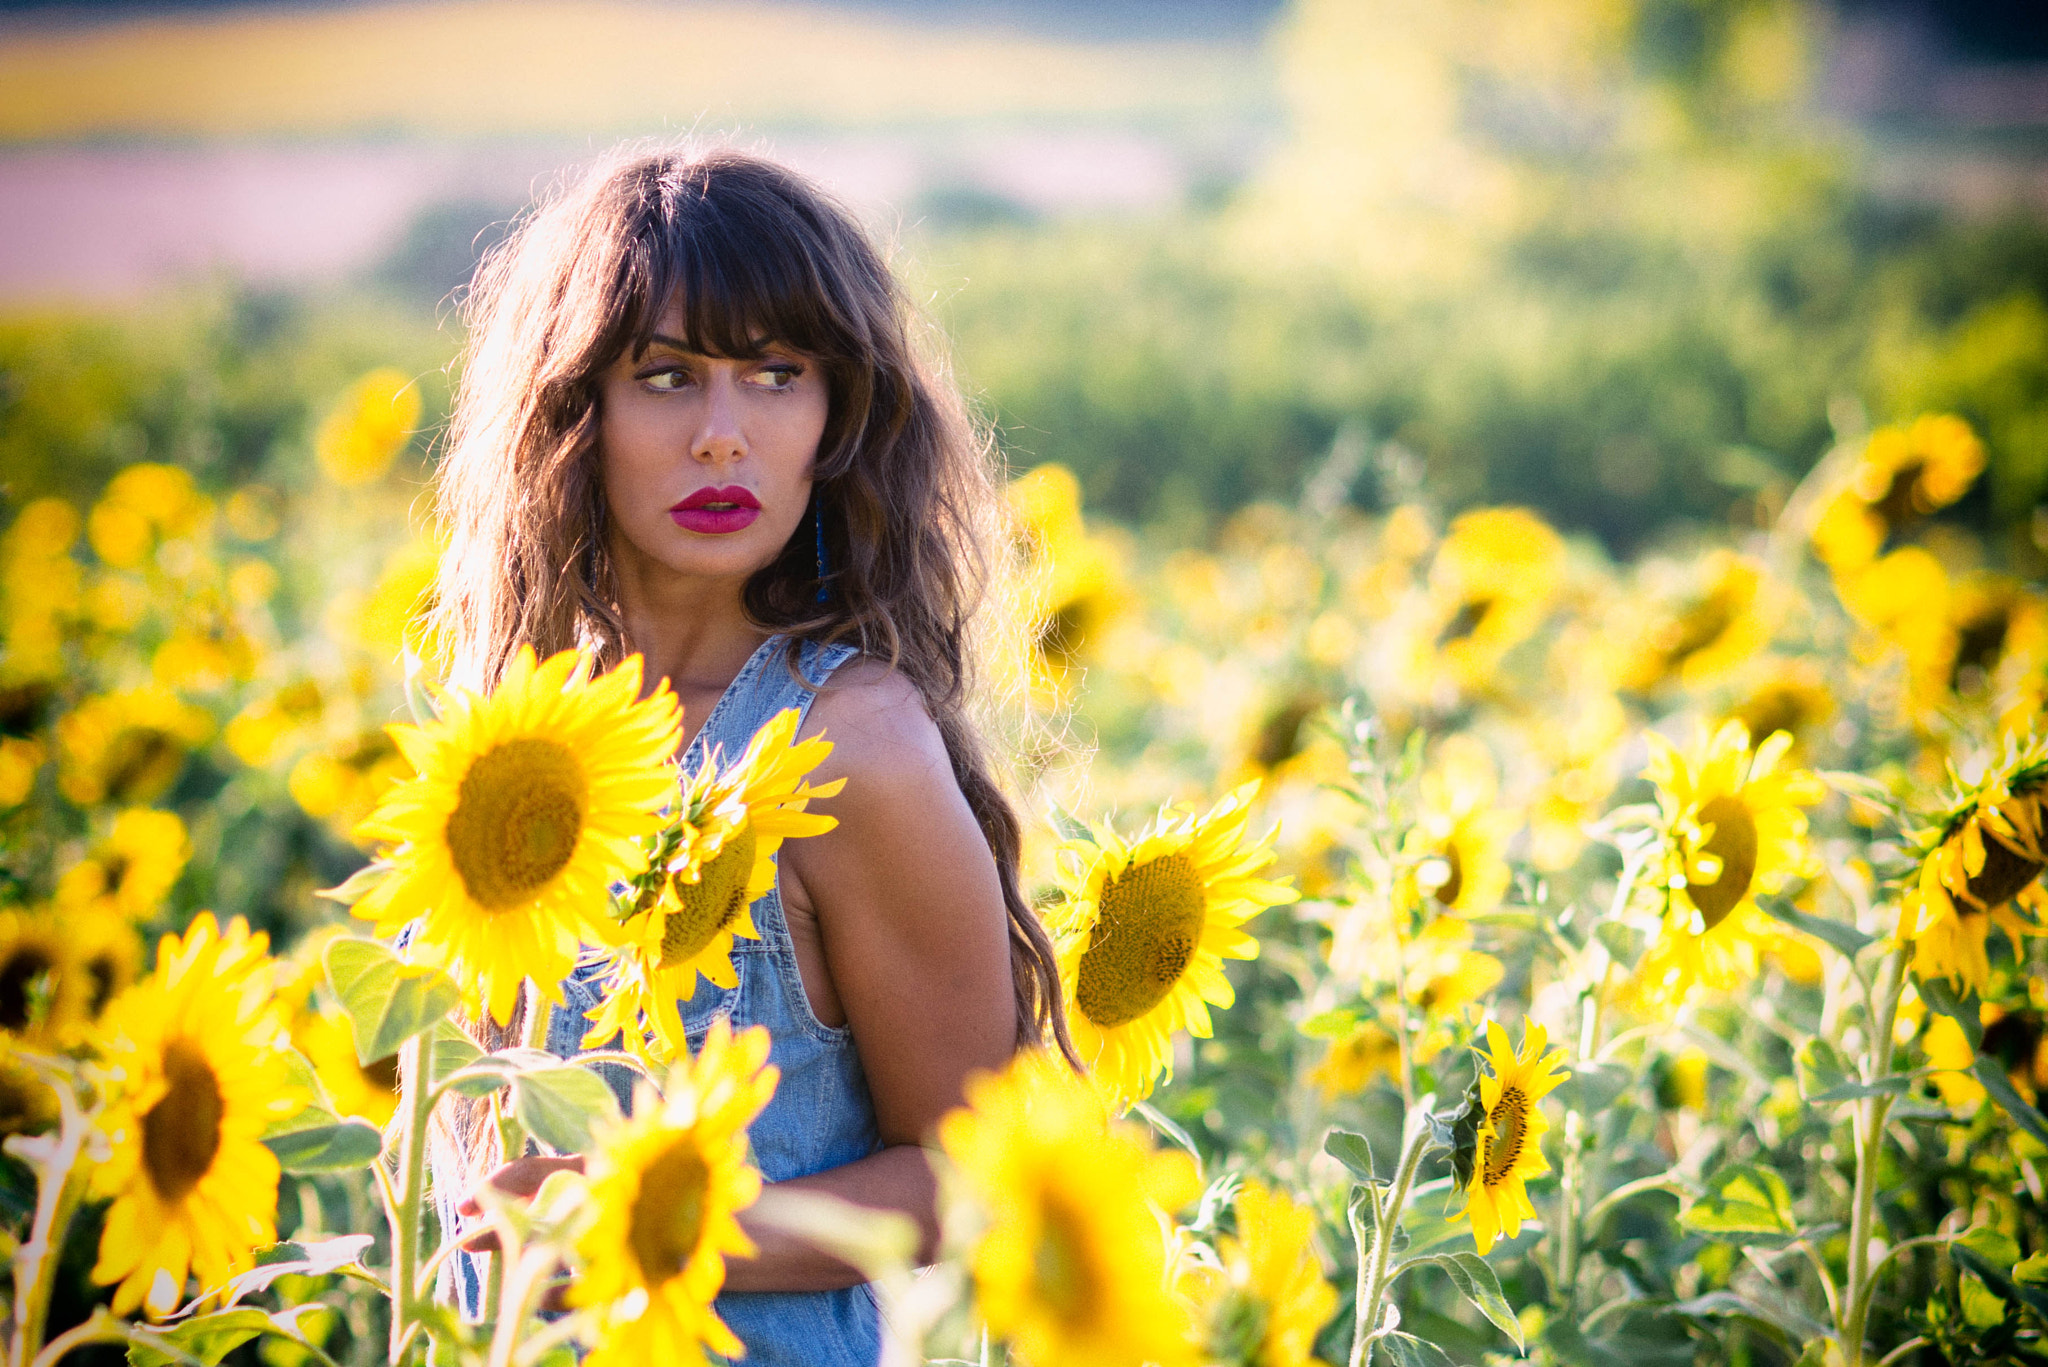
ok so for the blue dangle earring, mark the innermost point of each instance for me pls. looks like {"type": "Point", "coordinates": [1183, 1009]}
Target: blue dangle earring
{"type": "Point", "coordinates": [818, 524]}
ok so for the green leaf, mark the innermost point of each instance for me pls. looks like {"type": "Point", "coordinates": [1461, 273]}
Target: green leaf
{"type": "Point", "coordinates": [1827, 1077]}
{"type": "Point", "coordinates": [1940, 994]}
{"type": "Point", "coordinates": [1743, 1199]}
{"type": "Point", "coordinates": [1843, 938]}
{"type": "Point", "coordinates": [1968, 1258]}
{"type": "Point", "coordinates": [338, 1147]}
{"type": "Point", "coordinates": [1783, 1322]}
{"type": "Point", "coordinates": [559, 1106]}
{"type": "Point", "coordinates": [1995, 1245]}
{"type": "Point", "coordinates": [388, 1000]}
{"type": "Point", "coordinates": [317, 1259]}
{"type": "Point", "coordinates": [1465, 1135]}
{"type": "Point", "coordinates": [318, 1110]}
{"type": "Point", "coordinates": [1819, 1066]}
{"type": "Point", "coordinates": [1332, 1024]}
{"type": "Point", "coordinates": [208, 1338]}
{"type": "Point", "coordinates": [1168, 1130]}
{"type": "Point", "coordinates": [358, 884]}
{"type": "Point", "coordinates": [453, 1050]}
{"type": "Point", "coordinates": [1991, 1073]}
{"type": "Point", "coordinates": [1410, 1351]}
{"type": "Point", "coordinates": [1352, 1150]}
{"type": "Point", "coordinates": [1476, 1282]}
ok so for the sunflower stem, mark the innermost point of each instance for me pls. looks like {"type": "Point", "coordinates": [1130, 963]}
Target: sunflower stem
{"type": "Point", "coordinates": [409, 1210]}
{"type": "Point", "coordinates": [1572, 1180]}
{"type": "Point", "coordinates": [59, 1188]}
{"type": "Point", "coordinates": [1376, 1247]}
{"type": "Point", "coordinates": [1571, 1183]}
{"type": "Point", "coordinates": [535, 1020]}
{"type": "Point", "coordinates": [1870, 1116]}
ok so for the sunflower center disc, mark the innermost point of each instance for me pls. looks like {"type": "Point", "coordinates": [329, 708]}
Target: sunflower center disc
{"type": "Point", "coordinates": [1146, 934]}
{"type": "Point", "coordinates": [1465, 621]}
{"type": "Point", "coordinates": [17, 978]}
{"type": "Point", "coordinates": [2005, 875]}
{"type": "Point", "coordinates": [517, 819]}
{"type": "Point", "coordinates": [181, 1133]}
{"type": "Point", "coordinates": [140, 763]}
{"type": "Point", "coordinates": [1060, 1264]}
{"type": "Point", "coordinates": [1702, 624]}
{"type": "Point", "coordinates": [1734, 844]}
{"type": "Point", "coordinates": [710, 904]}
{"type": "Point", "coordinates": [103, 979]}
{"type": "Point", "coordinates": [1510, 1120]}
{"type": "Point", "coordinates": [1446, 892]}
{"type": "Point", "coordinates": [667, 1219]}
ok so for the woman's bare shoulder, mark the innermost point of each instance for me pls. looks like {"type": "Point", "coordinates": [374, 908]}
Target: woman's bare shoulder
{"type": "Point", "coordinates": [878, 725]}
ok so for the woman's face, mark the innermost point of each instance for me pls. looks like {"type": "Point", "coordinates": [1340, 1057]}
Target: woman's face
{"type": "Point", "coordinates": [706, 461]}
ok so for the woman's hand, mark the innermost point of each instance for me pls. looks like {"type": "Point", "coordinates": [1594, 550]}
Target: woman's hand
{"type": "Point", "coordinates": [520, 1179]}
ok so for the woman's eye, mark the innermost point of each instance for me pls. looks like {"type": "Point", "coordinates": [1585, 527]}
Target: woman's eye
{"type": "Point", "coordinates": [669, 377]}
{"type": "Point", "coordinates": [779, 376]}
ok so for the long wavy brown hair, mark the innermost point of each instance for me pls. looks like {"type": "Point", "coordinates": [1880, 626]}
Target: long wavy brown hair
{"type": "Point", "coordinates": [904, 487]}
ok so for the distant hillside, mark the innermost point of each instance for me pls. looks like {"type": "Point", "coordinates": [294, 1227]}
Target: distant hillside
{"type": "Point", "coordinates": [491, 68]}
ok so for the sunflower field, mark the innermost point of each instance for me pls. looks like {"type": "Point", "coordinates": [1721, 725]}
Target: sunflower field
{"type": "Point", "coordinates": [1483, 950]}
{"type": "Point", "coordinates": [1530, 704]}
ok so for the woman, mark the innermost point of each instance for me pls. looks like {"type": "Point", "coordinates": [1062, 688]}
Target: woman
{"type": "Point", "coordinates": [691, 425]}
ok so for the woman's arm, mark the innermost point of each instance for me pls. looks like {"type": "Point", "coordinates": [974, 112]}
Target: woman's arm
{"type": "Point", "coordinates": [901, 931]}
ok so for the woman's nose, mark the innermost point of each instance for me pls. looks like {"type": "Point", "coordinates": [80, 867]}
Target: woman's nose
{"type": "Point", "coordinates": [721, 437]}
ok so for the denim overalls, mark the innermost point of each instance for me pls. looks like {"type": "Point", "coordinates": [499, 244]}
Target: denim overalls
{"type": "Point", "coordinates": [820, 1117]}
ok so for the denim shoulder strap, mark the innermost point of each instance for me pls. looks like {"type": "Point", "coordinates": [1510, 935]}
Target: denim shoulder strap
{"type": "Point", "coordinates": [768, 683]}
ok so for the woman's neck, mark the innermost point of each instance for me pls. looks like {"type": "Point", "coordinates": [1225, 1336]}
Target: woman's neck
{"type": "Point", "coordinates": [691, 633]}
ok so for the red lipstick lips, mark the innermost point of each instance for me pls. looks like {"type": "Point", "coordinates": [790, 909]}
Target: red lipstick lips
{"type": "Point", "coordinates": [717, 512]}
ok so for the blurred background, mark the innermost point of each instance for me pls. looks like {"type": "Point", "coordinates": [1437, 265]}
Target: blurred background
{"type": "Point", "coordinates": [1244, 280]}
{"type": "Point", "coordinates": [1629, 262]}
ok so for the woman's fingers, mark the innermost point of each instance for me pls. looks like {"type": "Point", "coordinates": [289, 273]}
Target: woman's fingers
{"type": "Point", "coordinates": [520, 1178]}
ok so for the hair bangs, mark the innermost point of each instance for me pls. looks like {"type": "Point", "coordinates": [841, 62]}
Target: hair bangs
{"type": "Point", "coordinates": [744, 275]}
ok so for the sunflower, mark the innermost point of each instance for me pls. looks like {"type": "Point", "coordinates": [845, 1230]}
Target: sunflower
{"type": "Point", "coordinates": [525, 807]}
{"type": "Point", "coordinates": [1071, 1266]}
{"type": "Point", "coordinates": [193, 1059]}
{"type": "Point", "coordinates": [133, 869]}
{"type": "Point", "coordinates": [1144, 929]}
{"type": "Point", "coordinates": [1264, 1304]}
{"type": "Point", "coordinates": [1979, 865]}
{"type": "Point", "coordinates": [707, 869]}
{"type": "Point", "coordinates": [366, 1090]}
{"type": "Point", "coordinates": [1491, 585]}
{"type": "Point", "coordinates": [126, 747]}
{"type": "Point", "coordinates": [342, 783]}
{"type": "Point", "coordinates": [143, 504]}
{"type": "Point", "coordinates": [366, 430]}
{"type": "Point", "coordinates": [1444, 973]}
{"type": "Point", "coordinates": [669, 1184]}
{"type": "Point", "coordinates": [267, 725]}
{"type": "Point", "coordinates": [20, 760]}
{"type": "Point", "coordinates": [1459, 842]}
{"type": "Point", "coordinates": [1366, 1051]}
{"type": "Point", "coordinates": [1510, 1151]}
{"type": "Point", "coordinates": [36, 964]}
{"type": "Point", "coordinates": [1719, 617]}
{"type": "Point", "coordinates": [28, 1105]}
{"type": "Point", "coordinates": [1794, 698]}
{"type": "Point", "coordinates": [1906, 474]}
{"type": "Point", "coordinates": [1998, 630]}
{"type": "Point", "coordinates": [1071, 586]}
{"type": "Point", "coordinates": [103, 956]}
{"type": "Point", "coordinates": [1729, 826]}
